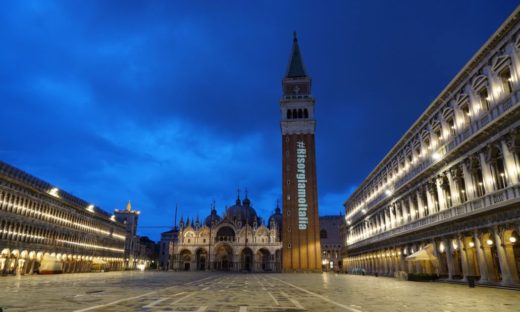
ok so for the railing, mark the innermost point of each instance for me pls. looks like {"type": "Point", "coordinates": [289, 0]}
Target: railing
{"type": "Point", "coordinates": [487, 202]}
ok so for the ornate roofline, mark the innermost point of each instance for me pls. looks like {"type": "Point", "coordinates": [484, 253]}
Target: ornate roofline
{"type": "Point", "coordinates": [445, 94]}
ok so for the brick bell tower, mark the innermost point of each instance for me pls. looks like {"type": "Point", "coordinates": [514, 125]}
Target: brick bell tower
{"type": "Point", "coordinates": [301, 228]}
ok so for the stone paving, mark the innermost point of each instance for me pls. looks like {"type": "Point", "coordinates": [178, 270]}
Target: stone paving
{"type": "Point", "coordinates": [193, 291]}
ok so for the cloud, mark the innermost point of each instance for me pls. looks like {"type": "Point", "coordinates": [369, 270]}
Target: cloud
{"type": "Point", "coordinates": [167, 103]}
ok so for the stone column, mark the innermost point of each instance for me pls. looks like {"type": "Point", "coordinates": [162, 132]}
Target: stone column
{"type": "Point", "coordinates": [398, 214]}
{"type": "Point", "coordinates": [430, 199]}
{"type": "Point", "coordinates": [487, 176]}
{"type": "Point", "coordinates": [449, 257]}
{"type": "Point", "coordinates": [391, 212]}
{"type": "Point", "coordinates": [411, 207]}
{"type": "Point", "coordinates": [509, 164]}
{"type": "Point", "coordinates": [406, 210]}
{"type": "Point", "coordinates": [481, 259]}
{"type": "Point", "coordinates": [468, 184]}
{"type": "Point", "coordinates": [463, 257]}
{"type": "Point", "coordinates": [512, 261]}
{"type": "Point", "coordinates": [502, 258]}
{"type": "Point", "coordinates": [420, 204]}
{"type": "Point", "coordinates": [440, 193]}
{"type": "Point", "coordinates": [454, 190]}
{"type": "Point", "coordinates": [402, 261]}
{"type": "Point", "coordinates": [397, 263]}
{"type": "Point", "coordinates": [436, 264]}
{"type": "Point", "coordinates": [388, 224]}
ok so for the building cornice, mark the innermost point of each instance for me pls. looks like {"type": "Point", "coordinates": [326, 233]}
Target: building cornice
{"type": "Point", "coordinates": [467, 71]}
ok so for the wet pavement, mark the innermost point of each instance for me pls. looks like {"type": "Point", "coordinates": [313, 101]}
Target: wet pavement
{"type": "Point", "coordinates": [201, 291]}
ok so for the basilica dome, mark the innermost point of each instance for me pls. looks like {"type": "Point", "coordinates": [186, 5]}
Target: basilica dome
{"type": "Point", "coordinates": [242, 211]}
{"type": "Point", "coordinates": [212, 217]}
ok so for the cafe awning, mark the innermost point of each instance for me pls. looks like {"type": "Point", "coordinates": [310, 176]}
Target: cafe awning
{"type": "Point", "coordinates": [425, 254]}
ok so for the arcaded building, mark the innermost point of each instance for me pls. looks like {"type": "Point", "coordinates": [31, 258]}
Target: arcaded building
{"type": "Point", "coordinates": [47, 230]}
{"type": "Point", "coordinates": [445, 200]}
{"type": "Point", "coordinates": [238, 241]}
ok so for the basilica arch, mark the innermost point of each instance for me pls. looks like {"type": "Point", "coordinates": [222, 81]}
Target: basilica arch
{"type": "Point", "coordinates": [185, 259]}
{"type": "Point", "coordinates": [225, 234]}
{"type": "Point", "coordinates": [223, 257]}
{"type": "Point", "coordinates": [246, 260]}
{"type": "Point", "coordinates": [201, 256]}
{"type": "Point", "coordinates": [263, 260]}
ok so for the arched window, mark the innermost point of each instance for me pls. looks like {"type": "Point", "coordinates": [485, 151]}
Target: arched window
{"type": "Point", "coordinates": [305, 113]}
{"type": "Point", "coordinates": [289, 115]}
{"type": "Point", "coordinates": [484, 98]}
{"type": "Point", "coordinates": [300, 113]}
{"type": "Point", "coordinates": [505, 77]}
{"type": "Point", "coordinates": [323, 233]}
{"type": "Point", "coordinates": [226, 234]}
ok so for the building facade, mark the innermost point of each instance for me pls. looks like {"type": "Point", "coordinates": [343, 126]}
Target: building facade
{"type": "Point", "coordinates": [166, 248]}
{"type": "Point", "coordinates": [331, 243]}
{"type": "Point", "coordinates": [445, 200]}
{"type": "Point", "coordinates": [130, 218]}
{"type": "Point", "coordinates": [236, 242]}
{"type": "Point", "coordinates": [301, 243]}
{"type": "Point", "coordinates": [47, 230]}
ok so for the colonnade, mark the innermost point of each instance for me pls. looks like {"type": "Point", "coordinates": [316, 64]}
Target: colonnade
{"type": "Point", "coordinates": [493, 168]}
{"type": "Point", "coordinates": [24, 262]}
{"type": "Point", "coordinates": [492, 255]}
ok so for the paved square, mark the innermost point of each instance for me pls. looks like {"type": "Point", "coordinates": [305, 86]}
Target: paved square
{"type": "Point", "coordinates": [189, 291]}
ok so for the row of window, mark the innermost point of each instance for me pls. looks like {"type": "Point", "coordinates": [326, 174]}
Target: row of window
{"type": "Point", "coordinates": [40, 210]}
{"type": "Point", "coordinates": [18, 232]}
{"type": "Point", "coordinates": [297, 113]}
{"type": "Point", "coordinates": [471, 102]}
{"type": "Point", "coordinates": [34, 183]}
{"type": "Point", "coordinates": [463, 181]}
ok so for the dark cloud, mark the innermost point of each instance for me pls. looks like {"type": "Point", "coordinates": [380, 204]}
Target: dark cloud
{"type": "Point", "coordinates": [174, 102]}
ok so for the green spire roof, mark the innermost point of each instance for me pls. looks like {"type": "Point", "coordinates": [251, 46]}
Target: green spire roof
{"type": "Point", "coordinates": [296, 68]}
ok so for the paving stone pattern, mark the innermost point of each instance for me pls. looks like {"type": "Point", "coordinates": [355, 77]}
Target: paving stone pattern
{"type": "Point", "coordinates": [190, 291]}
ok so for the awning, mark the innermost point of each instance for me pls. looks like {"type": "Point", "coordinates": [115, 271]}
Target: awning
{"type": "Point", "coordinates": [98, 261]}
{"type": "Point", "coordinates": [425, 254]}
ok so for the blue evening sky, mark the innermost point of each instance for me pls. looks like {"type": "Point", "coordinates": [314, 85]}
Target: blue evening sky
{"type": "Point", "coordinates": [165, 102]}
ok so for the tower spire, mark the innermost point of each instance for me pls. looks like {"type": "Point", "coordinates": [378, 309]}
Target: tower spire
{"type": "Point", "coordinates": [296, 68]}
{"type": "Point", "coordinates": [175, 218]}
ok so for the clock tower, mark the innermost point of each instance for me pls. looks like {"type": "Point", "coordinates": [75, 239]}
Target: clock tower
{"type": "Point", "coordinates": [301, 228]}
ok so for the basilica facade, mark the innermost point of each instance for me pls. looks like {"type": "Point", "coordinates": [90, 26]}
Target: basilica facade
{"type": "Point", "coordinates": [238, 241]}
{"type": "Point", "coordinates": [445, 200]}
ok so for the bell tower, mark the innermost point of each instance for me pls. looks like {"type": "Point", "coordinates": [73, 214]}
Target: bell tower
{"type": "Point", "coordinates": [301, 240]}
